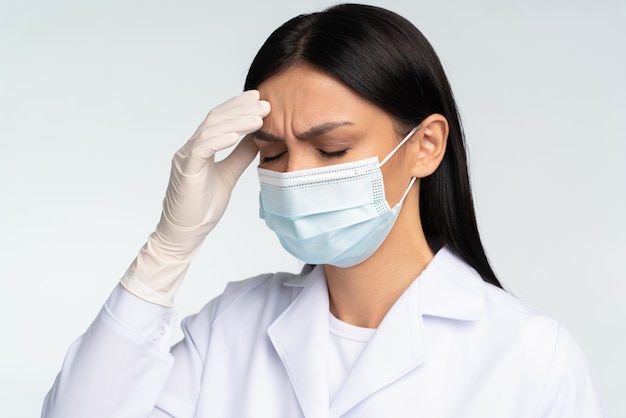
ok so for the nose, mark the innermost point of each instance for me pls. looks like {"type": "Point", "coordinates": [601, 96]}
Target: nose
{"type": "Point", "coordinates": [299, 158]}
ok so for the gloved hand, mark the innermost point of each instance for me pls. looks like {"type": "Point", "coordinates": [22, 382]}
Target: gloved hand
{"type": "Point", "coordinates": [196, 197]}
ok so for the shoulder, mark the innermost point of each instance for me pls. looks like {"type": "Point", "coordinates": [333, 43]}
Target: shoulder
{"type": "Point", "coordinates": [549, 352]}
{"type": "Point", "coordinates": [503, 307]}
{"type": "Point", "coordinates": [523, 345]}
{"type": "Point", "coordinates": [550, 359]}
{"type": "Point", "coordinates": [491, 304]}
{"type": "Point", "coordinates": [247, 298]}
{"type": "Point", "coordinates": [502, 325]}
{"type": "Point", "coordinates": [452, 289]}
{"type": "Point", "coordinates": [523, 329]}
{"type": "Point", "coordinates": [278, 289]}
{"type": "Point", "coordinates": [263, 284]}
{"type": "Point", "coordinates": [569, 388]}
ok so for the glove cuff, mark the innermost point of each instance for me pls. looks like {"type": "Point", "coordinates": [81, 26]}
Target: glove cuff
{"type": "Point", "coordinates": [156, 274]}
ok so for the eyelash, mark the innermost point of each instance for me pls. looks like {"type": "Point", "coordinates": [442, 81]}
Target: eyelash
{"type": "Point", "coordinates": [273, 158]}
{"type": "Point", "coordinates": [333, 154]}
{"type": "Point", "coordinates": [324, 154]}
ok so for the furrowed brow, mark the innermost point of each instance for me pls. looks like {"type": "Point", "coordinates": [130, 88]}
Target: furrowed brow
{"type": "Point", "coordinates": [308, 134]}
{"type": "Point", "coordinates": [264, 136]}
{"type": "Point", "coordinates": [321, 129]}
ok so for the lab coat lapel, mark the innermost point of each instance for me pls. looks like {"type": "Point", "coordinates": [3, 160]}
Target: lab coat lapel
{"type": "Point", "coordinates": [300, 336]}
{"type": "Point", "coordinates": [447, 288]}
{"type": "Point", "coordinates": [396, 348]}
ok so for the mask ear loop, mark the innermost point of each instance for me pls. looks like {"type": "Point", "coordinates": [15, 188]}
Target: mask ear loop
{"type": "Point", "coordinates": [406, 192]}
{"type": "Point", "coordinates": [406, 138]}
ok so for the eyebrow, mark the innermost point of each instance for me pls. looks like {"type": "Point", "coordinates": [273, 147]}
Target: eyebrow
{"type": "Point", "coordinates": [310, 133]}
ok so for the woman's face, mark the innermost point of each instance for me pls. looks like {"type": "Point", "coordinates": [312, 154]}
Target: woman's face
{"type": "Point", "coordinates": [316, 120]}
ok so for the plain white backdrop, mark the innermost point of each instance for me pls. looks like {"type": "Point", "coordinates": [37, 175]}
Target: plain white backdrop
{"type": "Point", "coordinates": [95, 97]}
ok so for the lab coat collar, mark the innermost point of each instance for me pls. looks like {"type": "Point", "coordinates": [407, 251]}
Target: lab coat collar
{"type": "Point", "coordinates": [447, 288]}
{"type": "Point", "coordinates": [450, 288]}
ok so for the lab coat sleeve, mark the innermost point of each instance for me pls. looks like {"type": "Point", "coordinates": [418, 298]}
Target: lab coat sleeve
{"type": "Point", "coordinates": [119, 366]}
{"type": "Point", "coordinates": [569, 389]}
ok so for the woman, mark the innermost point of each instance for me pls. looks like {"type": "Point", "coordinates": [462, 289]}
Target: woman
{"type": "Point", "coordinates": [363, 176]}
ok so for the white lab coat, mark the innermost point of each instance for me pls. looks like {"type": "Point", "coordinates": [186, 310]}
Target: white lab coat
{"type": "Point", "coordinates": [452, 346]}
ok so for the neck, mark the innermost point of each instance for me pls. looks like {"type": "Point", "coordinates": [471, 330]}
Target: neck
{"type": "Point", "coordinates": [363, 294]}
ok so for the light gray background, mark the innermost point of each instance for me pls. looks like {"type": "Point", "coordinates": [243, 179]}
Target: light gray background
{"type": "Point", "coordinates": [95, 97]}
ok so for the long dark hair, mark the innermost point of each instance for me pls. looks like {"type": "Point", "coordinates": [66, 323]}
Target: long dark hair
{"type": "Point", "coordinates": [386, 59]}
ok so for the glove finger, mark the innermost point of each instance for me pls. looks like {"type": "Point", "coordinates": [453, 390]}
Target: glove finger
{"type": "Point", "coordinates": [242, 125]}
{"type": "Point", "coordinates": [205, 150]}
{"type": "Point", "coordinates": [258, 107]}
{"type": "Point", "coordinates": [232, 166]}
{"type": "Point", "coordinates": [248, 96]}
{"type": "Point", "coordinates": [206, 143]}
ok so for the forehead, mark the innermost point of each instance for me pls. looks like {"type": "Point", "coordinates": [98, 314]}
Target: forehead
{"type": "Point", "coordinates": [303, 96]}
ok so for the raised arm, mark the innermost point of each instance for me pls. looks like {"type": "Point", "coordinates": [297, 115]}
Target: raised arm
{"type": "Point", "coordinates": [120, 365]}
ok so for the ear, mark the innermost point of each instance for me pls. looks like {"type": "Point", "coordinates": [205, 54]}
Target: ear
{"type": "Point", "coordinates": [429, 145]}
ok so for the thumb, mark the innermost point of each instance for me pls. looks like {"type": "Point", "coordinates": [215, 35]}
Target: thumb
{"type": "Point", "coordinates": [241, 157]}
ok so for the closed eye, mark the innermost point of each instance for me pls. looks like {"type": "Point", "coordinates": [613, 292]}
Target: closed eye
{"type": "Point", "coordinates": [332, 154]}
{"type": "Point", "coordinates": [273, 157]}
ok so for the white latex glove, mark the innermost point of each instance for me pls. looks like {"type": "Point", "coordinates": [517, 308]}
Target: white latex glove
{"type": "Point", "coordinates": [196, 197]}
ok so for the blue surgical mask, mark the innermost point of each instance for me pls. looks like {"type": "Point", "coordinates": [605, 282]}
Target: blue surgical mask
{"type": "Point", "coordinates": [335, 215]}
